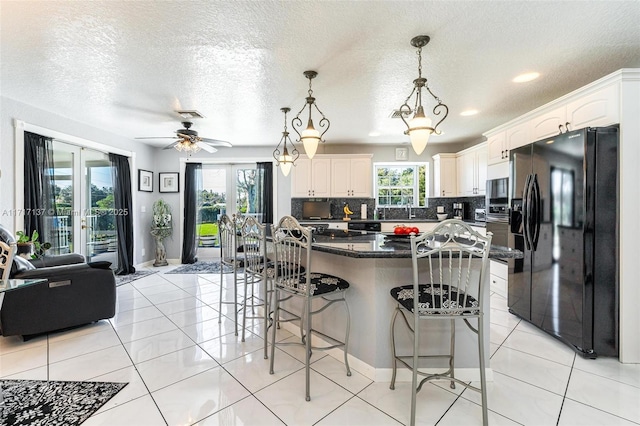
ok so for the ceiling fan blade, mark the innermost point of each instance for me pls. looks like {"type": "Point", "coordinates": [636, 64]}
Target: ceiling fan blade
{"type": "Point", "coordinates": [172, 145]}
{"type": "Point", "coordinates": [217, 142]}
{"type": "Point", "coordinates": [206, 147]}
{"type": "Point", "coordinates": [159, 137]}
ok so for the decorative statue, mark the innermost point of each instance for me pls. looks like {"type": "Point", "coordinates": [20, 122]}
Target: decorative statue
{"type": "Point", "coordinates": [161, 228]}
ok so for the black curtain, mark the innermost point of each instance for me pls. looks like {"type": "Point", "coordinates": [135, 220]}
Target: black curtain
{"type": "Point", "coordinates": [192, 189]}
{"type": "Point", "coordinates": [265, 191]}
{"type": "Point", "coordinates": [39, 184]}
{"type": "Point", "coordinates": [121, 175]}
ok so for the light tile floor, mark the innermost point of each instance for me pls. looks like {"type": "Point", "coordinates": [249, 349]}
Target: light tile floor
{"type": "Point", "coordinates": [184, 368]}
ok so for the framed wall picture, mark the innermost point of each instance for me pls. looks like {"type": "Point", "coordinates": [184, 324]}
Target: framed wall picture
{"type": "Point", "coordinates": [169, 182]}
{"type": "Point", "coordinates": [145, 180]}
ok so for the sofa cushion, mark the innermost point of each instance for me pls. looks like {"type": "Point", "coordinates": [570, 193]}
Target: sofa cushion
{"type": "Point", "coordinates": [20, 264]}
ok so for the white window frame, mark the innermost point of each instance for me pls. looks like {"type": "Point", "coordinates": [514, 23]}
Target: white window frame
{"type": "Point", "coordinates": [416, 187]}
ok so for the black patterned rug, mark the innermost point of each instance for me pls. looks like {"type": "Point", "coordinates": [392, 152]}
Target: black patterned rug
{"type": "Point", "coordinates": [37, 402]}
{"type": "Point", "coordinates": [124, 279]}
{"type": "Point", "coordinates": [199, 268]}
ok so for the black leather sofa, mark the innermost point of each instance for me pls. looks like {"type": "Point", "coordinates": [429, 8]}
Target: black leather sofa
{"type": "Point", "coordinates": [74, 293]}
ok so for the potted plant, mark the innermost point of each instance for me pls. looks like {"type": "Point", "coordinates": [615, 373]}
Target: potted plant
{"type": "Point", "coordinates": [161, 228]}
{"type": "Point", "coordinates": [29, 247]}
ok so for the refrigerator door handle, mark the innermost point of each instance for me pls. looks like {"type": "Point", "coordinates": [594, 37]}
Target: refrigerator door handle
{"type": "Point", "coordinates": [537, 213]}
{"type": "Point", "coordinates": [526, 213]}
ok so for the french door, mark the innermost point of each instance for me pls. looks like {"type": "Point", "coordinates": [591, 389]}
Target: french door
{"type": "Point", "coordinates": [84, 220]}
{"type": "Point", "coordinates": [226, 189]}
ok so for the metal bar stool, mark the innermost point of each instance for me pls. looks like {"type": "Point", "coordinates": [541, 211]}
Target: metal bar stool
{"type": "Point", "coordinates": [448, 285]}
{"type": "Point", "coordinates": [257, 271]}
{"type": "Point", "coordinates": [229, 257]}
{"type": "Point", "coordinates": [292, 243]}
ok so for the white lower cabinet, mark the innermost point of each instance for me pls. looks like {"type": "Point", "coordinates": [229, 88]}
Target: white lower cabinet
{"type": "Point", "coordinates": [498, 277]}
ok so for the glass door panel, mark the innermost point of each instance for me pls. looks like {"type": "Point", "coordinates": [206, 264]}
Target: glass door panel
{"type": "Point", "coordinates": [83, 222]}
{"type": "Point", "coordinates": [212, 204]}
{"type": "Point", "coordinates": [100, 237]}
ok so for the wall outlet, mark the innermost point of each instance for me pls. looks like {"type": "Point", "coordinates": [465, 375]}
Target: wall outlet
{"type": "Point", "coordinates": [143, 209]}
{"type": "Point", "coordinates": [143, 252]}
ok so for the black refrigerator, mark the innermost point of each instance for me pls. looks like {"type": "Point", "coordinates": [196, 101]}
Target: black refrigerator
{"type": "Point", "coordinates": [564, 218]}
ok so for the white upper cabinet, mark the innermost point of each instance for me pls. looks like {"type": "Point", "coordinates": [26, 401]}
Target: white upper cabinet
{"type": "Point", "coordinates": [332, 176]}
{"type": "Point", "coordinates": [311, 178]}
{"type": "Point", "coordinates": [351, 176]}
{"type": "Point", "coordinates": [472, 170]}
{"type": "Point", "coordinates": [598, 108]}
{"type": "Point", "coordinates": [497, 148]}
{"type": "Point", "coordinates": [597, 104]}
{"type": "Point", "coordinates": [548, 124]}
{"type": "Point", "coordinates": [601, 108]}
{"type": "Point", "coordinates": [445, 176]}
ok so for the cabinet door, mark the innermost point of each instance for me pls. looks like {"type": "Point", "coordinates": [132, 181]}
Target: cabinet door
{"type": "Point", "coordinates": [321, 177]}
{"type": "Point", "coordinates": [496, 148]}
{"type": "Point", "coordinates": [448, 177]}
{"type": "Point", "coordinates": [517, 136]}
{"type": "Point", "coordinates": [301, 178]}
{"type": "Point", "coordinates": [340, 177]}
{"type": "Point", "coordinates": [361, 177]}
{"type": "Point", "coordinates": [481, 170]}
{"type": "Point", "coordinates": [547, 124]}
{"type": "Point", "coordinates": [601, 108]}
{"type": "Point", "coordinates": [466, 173]}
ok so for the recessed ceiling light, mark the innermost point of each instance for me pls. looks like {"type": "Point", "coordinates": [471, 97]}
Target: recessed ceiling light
{"type": "Point", "coordinates": [529, 76]}
{"type": "Point", "coordinates": [469, 112]}
{"type": "Point", "coordinates": [374, 133]}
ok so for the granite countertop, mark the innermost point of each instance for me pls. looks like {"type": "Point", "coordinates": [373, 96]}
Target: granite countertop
{"type": "Point", "coordinates": [362, 244]}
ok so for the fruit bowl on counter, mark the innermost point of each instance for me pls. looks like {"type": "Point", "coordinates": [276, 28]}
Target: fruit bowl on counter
{"type": "Point", "coordinates": [442, 216]}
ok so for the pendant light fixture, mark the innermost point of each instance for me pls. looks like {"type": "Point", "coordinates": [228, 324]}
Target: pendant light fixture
{"type": "Point", "coordinates": [310, 137]}
{"type": "Point", "coordinates": [283, 158]}
{"type": "Point", "coordinates": [419, 127]}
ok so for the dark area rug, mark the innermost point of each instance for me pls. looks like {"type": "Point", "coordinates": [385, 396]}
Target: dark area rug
{"type": "Point", "coordinates": [124, 279]}
{"type": "Point", "coordinates": [199, 268]}
{"type": "Point", "coordinates": [38, 402]}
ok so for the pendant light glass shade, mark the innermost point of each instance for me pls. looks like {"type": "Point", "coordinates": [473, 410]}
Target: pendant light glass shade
{"type": "Point", "coordinates": [420, 128]}
{"type": "Point", "coordinates": [283, 158]}
{"type": "Point", "coordinates": [419, 131]}
{"type": "Point", "coordinates": [310, 136]}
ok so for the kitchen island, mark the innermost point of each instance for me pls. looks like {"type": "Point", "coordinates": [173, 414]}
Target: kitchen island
{"type": "Point", "coordinates": [373, 264]}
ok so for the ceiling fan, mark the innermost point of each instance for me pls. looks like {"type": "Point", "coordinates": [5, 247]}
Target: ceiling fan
{"type": "Point", "coordinates": [187, 137]}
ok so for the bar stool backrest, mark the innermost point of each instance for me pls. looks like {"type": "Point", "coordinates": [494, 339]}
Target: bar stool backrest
{"type": "Point", "coordinates": [254, 245]}
{"type": "Point", "coordinates": [227, 238]}
{"type": "Point", "coordinates": [443, 260]}
{"type": "Point", "coordinates": [292, 244]}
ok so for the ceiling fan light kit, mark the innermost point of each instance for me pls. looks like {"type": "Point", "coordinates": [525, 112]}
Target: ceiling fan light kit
{"type": "Point", "coordinates": [283, 158]}
{"type": "Point", "coordinates": [419, 128]}
{"type": "Point", "coordinates": [310, 136]}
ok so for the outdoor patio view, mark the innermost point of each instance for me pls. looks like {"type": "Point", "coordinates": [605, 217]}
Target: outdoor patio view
{"type": "Point", "coordinates": [213, 200]}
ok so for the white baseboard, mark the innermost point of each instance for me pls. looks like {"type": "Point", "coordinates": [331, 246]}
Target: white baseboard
{"type": "Point", "coordinates": [384, 374]}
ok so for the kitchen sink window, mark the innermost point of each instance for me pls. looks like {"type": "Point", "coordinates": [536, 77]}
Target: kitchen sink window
{"type": "Point", "coordinates": [399, 184]}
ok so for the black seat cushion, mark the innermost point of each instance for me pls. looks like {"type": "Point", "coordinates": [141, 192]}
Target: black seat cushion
{"type": "Point", "coordinates": [320, 284]}
{"type": "Point", "coordinates": [438, 294]}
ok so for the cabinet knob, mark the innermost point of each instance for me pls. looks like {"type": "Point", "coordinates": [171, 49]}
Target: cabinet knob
{"type": "Point", "coordinates": [443, 192]}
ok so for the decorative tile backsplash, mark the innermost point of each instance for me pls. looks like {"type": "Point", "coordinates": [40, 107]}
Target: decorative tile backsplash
{"type": "Point", "coordinates": [337, 204]}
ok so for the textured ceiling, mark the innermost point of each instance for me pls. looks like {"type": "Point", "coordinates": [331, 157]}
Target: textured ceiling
{"type": "Point", "coordinates": [124, 66]}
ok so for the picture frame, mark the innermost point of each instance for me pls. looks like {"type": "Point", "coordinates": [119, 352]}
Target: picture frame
{"type": "Point", "coordinates": [169, 182]}
{"type": "Point", "coordinates": [145, 180]}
